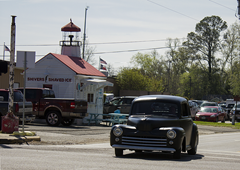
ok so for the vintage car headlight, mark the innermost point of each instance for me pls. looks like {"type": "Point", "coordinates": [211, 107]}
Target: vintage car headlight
{"type": "Point", "coordinates": [117, 131]}
{"type": "Point", "coordinates": [171, 134]}
{"type": "Point", "coordinates": [213, 116]}
{"type": "Point", "coordinates": [197, 115]}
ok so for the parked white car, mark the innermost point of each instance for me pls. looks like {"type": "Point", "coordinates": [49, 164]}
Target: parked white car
{"type": "Point", "coordinates": [194, 108]}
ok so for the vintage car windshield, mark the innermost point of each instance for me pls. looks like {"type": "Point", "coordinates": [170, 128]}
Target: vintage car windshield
{"type": "Point", "coordinates": [155, 108]}
{"type": "Point", "coordinates": [209, 110]}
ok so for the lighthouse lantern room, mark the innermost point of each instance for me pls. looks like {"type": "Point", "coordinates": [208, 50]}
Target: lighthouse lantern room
{"type": "Point", "coordinates": [71, 43]}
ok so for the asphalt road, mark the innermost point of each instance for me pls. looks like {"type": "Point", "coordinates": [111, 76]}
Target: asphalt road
{"type": "Point", "coordinates": [215, 152]}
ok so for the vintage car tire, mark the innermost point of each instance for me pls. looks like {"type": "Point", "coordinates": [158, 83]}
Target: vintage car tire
{"type": "Point", "coordinates": [193, 151]}
{"type": "Point", "coordinates": [67, 122]}
{"type": "Point", "coordinates": [177, 154]}
{"type": "Point", "coordinates": [53, 118]}
{"type": "Point", "coordinates": [118, 152]}
{"type": "Point", "coordinates": [216, 119]}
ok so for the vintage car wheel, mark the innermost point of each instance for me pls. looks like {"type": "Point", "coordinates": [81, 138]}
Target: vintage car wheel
{"type": "Point", "coordinates": [177, 154]}
{"type": "Point", "coordinates": [216, 119]}
{"type": "Point", "coordinates": [193, 151]}
{"type": "Point", "coordinates": [53, 118]}
{"type": "Point", "coordinates": [67, 122]}
{"type": "Point", "coordinates": [118, 152]}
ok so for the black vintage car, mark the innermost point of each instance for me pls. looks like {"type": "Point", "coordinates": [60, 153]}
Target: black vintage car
{"type": "Point", "coordinates": [157, 123]}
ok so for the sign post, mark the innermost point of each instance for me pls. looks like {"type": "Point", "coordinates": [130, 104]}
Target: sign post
{"type": "Point", "coordinates": [25, 59]}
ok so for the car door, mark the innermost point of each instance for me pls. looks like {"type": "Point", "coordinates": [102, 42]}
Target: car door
{"type": "Point", "coordinates": [112, 105]}
{"type": "Point", "coordinates": [221, 113]}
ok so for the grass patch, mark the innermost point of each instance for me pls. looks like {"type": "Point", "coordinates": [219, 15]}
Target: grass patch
{"type": "Point", "coordinates": [236, 126]}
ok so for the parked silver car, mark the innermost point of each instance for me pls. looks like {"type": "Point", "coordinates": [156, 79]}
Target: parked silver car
{"type": "Point", "coordinates": [194, 108]}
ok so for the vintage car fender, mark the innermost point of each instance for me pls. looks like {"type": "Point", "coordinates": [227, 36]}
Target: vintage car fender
{"type": "Point", "coordinates": [194, 137]}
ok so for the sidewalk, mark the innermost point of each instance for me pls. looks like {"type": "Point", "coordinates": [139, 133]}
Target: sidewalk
{"type": "Point", "coordinates": [11, 138]}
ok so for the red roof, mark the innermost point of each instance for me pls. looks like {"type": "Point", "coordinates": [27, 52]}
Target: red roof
{"type": "Point", "coordinates": [78, 65]}
{"type": "Point", "coordinates": [71, 27]}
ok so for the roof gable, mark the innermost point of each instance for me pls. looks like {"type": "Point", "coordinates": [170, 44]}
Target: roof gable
{"type": "Point", "coordinates": [78, 65]}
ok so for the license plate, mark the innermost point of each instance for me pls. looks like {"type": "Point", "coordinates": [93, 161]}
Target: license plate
{"type": "Point", "coordinates": [25, 110]}
{"type": "Point", "coordinates": [203, 117]}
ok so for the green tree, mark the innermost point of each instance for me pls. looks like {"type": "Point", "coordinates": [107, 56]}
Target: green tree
{"type": "Point", "coordinates": [235, 79]}
{"type": "Point", "coordinates": [131, 79]}
{"type": "Point", "coordinates": [205, 43]}
{"type": "Point", "coordinates": [152, 68]}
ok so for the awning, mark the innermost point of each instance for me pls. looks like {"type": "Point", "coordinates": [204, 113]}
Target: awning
{"type": "Point", "coordinates": [102, 83]}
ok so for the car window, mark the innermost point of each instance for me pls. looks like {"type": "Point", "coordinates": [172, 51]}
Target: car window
{"type": "Point", "coordinates": [4, 94]}
{"type": "Point", "coordinates": [209, 110]}
{"type": "Point", "coordinates": [114, 102]}
{"type": "Point", "coordinates": [18, 96]}
{"type": "Point", "coordinates": [230, 105]}
{"type": "Point", "coordinates": [155, 108]}
{"type": "Point", "coordinates": [208, 104]}
{"type": "Point", "coordinates": [31, 94]}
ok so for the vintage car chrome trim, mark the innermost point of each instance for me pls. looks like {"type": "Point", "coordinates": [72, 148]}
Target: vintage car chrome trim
{"type": "Point", "coordinates": [138, 141]}
{"type": "Point", "coordinates": [143, 148]}
{"type": "Point", "coordinates": [139, 138]}
{"type": "Point", "coordinates": [142, 144]}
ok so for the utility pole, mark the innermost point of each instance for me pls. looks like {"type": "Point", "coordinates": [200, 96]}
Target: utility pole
{"type": "Point", "coordinates": [190, 87]}
{"type": "Point", "coordinates": [10, 122]}
{"type": "Point", "coordinates": [238, 8]}
{"type": "Point", "coordinates": [11, 71]}
{"type": "Point", "coordinates": [84, 33]}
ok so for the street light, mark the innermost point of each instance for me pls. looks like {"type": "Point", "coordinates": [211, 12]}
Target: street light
{"type": "Point", "coordinates": [84, 33]}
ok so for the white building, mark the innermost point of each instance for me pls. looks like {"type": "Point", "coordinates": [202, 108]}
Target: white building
{"type": "Point", "coordinates": [68, 74]}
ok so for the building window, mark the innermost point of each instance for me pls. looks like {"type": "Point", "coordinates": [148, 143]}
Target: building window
{"type": "Point", "coordinates": [90, 98]}
{"type": "Point", "coordinates": [16, 85]}
{"type": "Point", "coordinates": [47, 86]}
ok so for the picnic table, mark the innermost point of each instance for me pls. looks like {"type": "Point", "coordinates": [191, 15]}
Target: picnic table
{"type": "Point", "coordinates": [112, 118]}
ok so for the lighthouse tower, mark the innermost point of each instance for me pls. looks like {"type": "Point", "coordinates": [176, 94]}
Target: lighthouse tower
{"type": "Point", "coordinates": [70, 43]}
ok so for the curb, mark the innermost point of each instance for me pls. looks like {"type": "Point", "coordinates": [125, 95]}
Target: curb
{"type": "Point", "coordinates": [18, 139]}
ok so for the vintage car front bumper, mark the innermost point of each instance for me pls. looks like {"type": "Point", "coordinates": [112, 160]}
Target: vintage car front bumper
{"type": "Point", "coordinates": [146, 148]}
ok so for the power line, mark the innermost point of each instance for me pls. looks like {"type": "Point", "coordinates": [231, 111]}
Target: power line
{"type": "Point", "coordinates": [222, 5]}
{"type": "Point", "coordinates": [172, 10]}
{"type": "Point", "coordinates": [156, 48]}
{"type": "Point", "coordinates": [121, 51]}
{"type": "Point", "coordinates": [121, 42]}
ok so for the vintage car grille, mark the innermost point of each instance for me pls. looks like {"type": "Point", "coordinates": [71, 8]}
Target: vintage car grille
{"type": "Point", "coordinates": [144, 141]}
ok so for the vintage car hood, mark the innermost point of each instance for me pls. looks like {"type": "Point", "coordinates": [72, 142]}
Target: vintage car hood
{"type": "Point", "coordinates": [148, 123]}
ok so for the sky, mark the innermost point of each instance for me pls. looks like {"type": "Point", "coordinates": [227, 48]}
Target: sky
{"type": "Point", "coordinates": [116, 29]}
